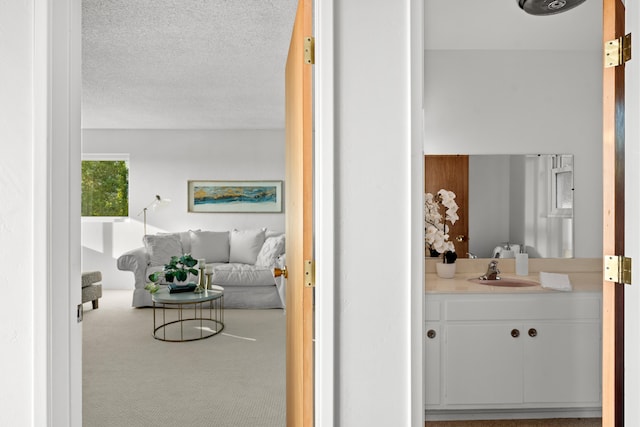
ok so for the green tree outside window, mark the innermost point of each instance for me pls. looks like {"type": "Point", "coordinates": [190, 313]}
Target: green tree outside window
{"type": "Point", "coordinates": [105, 188]}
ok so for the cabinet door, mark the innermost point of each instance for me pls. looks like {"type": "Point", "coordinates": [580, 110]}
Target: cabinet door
{"type": "Point", "coordinates": [432, 370]}
{"type": "Point", "coordinates": [562, 363]}
{"type": "Point", "coordinates": [483, 363]}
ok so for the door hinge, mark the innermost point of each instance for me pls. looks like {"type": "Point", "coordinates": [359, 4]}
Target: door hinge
{"type": "Point", "coordinates": [617, 268]}
{"type": "Point", "coordinates": [80, 313]}
{"type": "Point", "coordinates": [617, 51]}
{"type": "Point", "coordinates": [309, 273]}
{"type": "Point", "coordinates": [309, 50]}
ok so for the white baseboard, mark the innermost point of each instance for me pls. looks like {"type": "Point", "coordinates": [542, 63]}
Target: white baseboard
{"type": "Point", "coordinates": [507, 414]}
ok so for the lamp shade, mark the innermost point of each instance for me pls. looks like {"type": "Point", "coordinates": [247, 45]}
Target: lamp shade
{"type": "Point", "coordinates": [158, 202]}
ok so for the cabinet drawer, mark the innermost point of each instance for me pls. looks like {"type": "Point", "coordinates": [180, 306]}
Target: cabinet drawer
{"type": "Point", "coordinates": [549, 306]}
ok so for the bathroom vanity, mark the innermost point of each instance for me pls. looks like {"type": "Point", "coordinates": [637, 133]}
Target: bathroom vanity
{"type": "Point", "coordinates": [513, 352]}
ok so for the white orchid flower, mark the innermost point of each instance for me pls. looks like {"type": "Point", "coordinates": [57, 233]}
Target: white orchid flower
{"type": "Point", "coordinates": [436, 237]}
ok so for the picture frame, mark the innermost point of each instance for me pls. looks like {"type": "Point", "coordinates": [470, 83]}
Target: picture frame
{"type": "Point", "coordinates": [235, 196]}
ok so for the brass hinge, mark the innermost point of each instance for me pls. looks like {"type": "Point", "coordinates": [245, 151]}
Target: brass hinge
{"type": "Point", "coordinates": [617, 52]}
{"type": "Point", "coordinates": [617, 268]}
{"type": "Point", "coordinates": [309, 273]}
{"type": "Point", "coordinates": [309, 50]}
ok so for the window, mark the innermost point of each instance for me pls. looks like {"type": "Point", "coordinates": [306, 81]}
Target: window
{"type": "Point", "coordinates": [105, 186]}
{"type": "Point", "coordinates": [561, 183]}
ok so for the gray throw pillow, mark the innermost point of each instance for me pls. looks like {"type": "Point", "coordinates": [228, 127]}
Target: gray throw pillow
{"type": "Point", "coordinates": [162, 247]}
{"type": "Point", "coordinates": [213, 246]}
{"type": "Point", "coordinates": [185, 239]}
{"type": "Point", "coordinates": [245, 245]}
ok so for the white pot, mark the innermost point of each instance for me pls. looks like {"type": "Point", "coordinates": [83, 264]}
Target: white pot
{"type": "Point", "coordinates": [446, 271]}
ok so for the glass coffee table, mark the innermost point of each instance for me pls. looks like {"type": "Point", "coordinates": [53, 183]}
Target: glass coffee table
{"type": "Point", "coordinates": [179, 323]}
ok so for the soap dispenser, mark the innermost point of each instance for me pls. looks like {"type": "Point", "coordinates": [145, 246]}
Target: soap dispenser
{"type": "Point", "coordinates": [522, 261]}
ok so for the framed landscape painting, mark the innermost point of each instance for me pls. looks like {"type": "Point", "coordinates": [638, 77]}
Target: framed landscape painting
{"type": "Point", "coordinates": [235, 196]}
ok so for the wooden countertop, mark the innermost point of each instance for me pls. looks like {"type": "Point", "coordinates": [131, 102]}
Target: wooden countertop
{"type": "Point", "coordinates": [585, 275]}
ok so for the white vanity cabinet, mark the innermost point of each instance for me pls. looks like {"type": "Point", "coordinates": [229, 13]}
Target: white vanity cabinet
{"type": "Point", "coordinates": [483, 364]}
{"type": "Point", "coordinates": [432, 351]}
{"type": "Point", "coordinates": [561, 364]}
{"type": "Point", "coordinates": [515, 352]}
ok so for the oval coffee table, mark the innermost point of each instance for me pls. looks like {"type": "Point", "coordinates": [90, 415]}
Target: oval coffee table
{"type": "Point", "coordinates": [207, 319]}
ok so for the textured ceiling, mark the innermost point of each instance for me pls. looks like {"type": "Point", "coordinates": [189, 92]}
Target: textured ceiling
{"type": "Point", "coordinates": [219, 64]}
{"type": "Point", "coordinates": [184, 64]}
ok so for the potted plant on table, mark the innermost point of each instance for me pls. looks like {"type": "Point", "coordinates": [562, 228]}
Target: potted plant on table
{"type": "Point", "coordinates": [437, 231]}
{"type": "Point", "coordinates": [177, 269]}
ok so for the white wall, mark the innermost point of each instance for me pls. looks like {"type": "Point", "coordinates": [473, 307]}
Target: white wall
{"type": "Point", "coordinates": [39, 216]}
{"type": "Point", "coordinates": [378, 218]}
{"type": "Point", "coordinates": [16, 214]}
{"type": "Point", "coordinates": [161, 162]}
{"type": "Point", "coordinates": [523, 102]}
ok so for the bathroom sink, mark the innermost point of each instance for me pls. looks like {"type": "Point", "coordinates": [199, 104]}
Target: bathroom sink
{"type": "Point", "coordinates": [505, 281]}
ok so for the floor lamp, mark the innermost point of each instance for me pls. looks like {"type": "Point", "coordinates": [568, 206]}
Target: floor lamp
{"type": "Point", "coordinates": [158, 201]}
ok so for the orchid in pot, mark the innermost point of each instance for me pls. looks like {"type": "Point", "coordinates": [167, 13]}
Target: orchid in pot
{"type": "Point", "coordinates": [436, 228]}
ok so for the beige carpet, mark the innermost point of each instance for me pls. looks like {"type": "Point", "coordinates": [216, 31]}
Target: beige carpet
{"type": "Point", "coordinates": [130, 379]}
{"type": "Point", "coordinates": [233, 379]}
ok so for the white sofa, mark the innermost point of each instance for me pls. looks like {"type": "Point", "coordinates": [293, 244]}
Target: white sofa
{"type": "Point", "coordinates": [241, 261]}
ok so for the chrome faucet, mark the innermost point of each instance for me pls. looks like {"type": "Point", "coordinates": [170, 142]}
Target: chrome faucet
{"type": "Point", "coordinates": [492, 272]}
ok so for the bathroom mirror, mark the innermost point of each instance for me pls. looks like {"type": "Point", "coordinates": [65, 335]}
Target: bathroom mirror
{"type": "Point", "coordinates": [521, 199]}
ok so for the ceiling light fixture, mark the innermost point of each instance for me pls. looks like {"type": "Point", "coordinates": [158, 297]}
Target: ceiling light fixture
{"type": "Point", "coordinates": [547, 7]}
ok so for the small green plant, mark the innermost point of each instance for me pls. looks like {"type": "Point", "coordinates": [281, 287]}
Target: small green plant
{"type": "Point", "coordinates": [152, 287]}
{"type": "Point", "coordinates": [178, 268]}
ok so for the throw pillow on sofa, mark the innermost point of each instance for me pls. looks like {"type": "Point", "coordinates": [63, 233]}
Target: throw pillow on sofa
{"type": "Point", "coordinates": [162, 247]}
{"type": "Point", "coordinates": [272, 248]}
{"type": "Point", "coordinates": [245, 245]}
{"type": "Point", "coordinates": [212, 246]}
{"type": "Point", "coordinates": [185, 240]}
